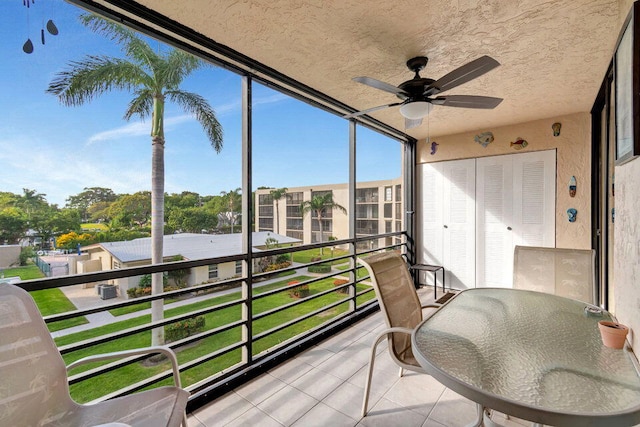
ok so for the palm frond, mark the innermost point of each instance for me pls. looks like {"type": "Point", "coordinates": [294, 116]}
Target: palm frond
{"type": "Point", "coordinates": [203, 112]}
{"type": "Point", "coordinates": [180, 64]}
{"type": "Point", "coordinates": [141, 105]}
{"type": "Point", "coordinates": [133, 46]}
{"type": "Point", "coordinates": [94, 75]}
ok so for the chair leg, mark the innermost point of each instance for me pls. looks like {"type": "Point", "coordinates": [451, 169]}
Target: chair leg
{"type": "Point", "coordinates": [367, 384]}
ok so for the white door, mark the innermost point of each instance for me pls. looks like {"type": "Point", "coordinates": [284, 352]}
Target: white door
{"type": "Point", "coordinates": [459, 243]}
{"type": "Point", "coordinates": [447, 220]}
{"type": "Point", "coordinates": [515, 206]}
{"type": "Point", "coordinates": [494, 225]}
{"type": "Point", "coordinates": [430, 215]}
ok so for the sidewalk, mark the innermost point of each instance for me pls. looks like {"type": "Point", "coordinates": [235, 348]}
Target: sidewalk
{"type": "Point", "coordinates": [84, 298]}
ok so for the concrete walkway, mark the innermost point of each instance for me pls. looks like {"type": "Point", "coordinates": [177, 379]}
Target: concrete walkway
{"type": "Point", "coordinates": [84, 298]}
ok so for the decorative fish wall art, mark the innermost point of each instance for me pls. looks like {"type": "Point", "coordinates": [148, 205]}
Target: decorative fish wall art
{"type": "Point", "coordinates": [519, 144]}
{"type": "Point", "coordinates": [556, 128]}
{"type": "Point", "coordinates": [572, 213]}
{"type": "Point", "coordinates": [484, 139]}
{"type": "Point", "coordinates": [573, 186]}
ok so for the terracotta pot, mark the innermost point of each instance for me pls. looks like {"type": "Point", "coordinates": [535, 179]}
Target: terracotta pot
{"type": "Point", "coordinates": [613, 334]}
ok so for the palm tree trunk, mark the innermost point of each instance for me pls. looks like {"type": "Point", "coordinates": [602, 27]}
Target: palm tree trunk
{"type": "Point", "coordinates": [277, 227]}
{"type": "Point", "coordinates": [157, 216]}
{"type": "Point", "coordinates": [320, 228]}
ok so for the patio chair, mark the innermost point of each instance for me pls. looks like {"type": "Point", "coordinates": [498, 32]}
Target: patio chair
{"type": "Point", "coordinates": [401, 309]}
{"type": "Point", "coordinates": [565, 272]}
{"type": "Point", "coordinates": [34, 389]}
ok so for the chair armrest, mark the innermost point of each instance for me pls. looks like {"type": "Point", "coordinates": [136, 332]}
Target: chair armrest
{"type": "Point", "coordinates": [432, 305]}
{"type": "Point", "coordinates": [134, 352]}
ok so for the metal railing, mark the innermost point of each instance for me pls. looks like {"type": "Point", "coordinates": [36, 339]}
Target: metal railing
{"type": "Point", "coordinates": [253, 322]}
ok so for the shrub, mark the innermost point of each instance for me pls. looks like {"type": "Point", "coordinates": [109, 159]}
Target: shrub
{"type": "Point", "coordinates": [301, 291]}
{"type": "Point", "coordinates": [278, 266]}
{"type": "Point", "coordinates": [340, 282]}
{"type": "Point", "coordinates": [26, 252]}
{"type": "Point", "coordinates": [184, 328]}
{"type": "Point", "coordinates": [282, 258]}
{"type": "Point", "coordinates": [320, 268]}
{"type": "Point", "coordinates": [145, 281]}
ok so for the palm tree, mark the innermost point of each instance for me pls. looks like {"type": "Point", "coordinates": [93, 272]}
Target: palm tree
{"type": "Point", "coordinates": [317, 206]}
{"type": "Point", "coordinates": [233, 199]}
{"type": "Point", "coordinates": [276, 195]}
{"type": "Point", "coordinates": [153, 77]}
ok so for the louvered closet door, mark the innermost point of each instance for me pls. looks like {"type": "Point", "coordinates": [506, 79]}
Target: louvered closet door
{"type": "Point", "coordinates": [515, 206]}
{"type": "Point", "coordinates": [430, 216]}
{"type": "Point", "coordinates": [534, 203]}
{"type": "Point", "coordinates": [459, 243]}
{"type": "Point", "coordinates": [494, 192]}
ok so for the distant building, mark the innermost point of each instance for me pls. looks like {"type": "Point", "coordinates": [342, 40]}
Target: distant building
{"type": "Point", "coordinates": [137, 252]}
{"type": "Point", "coordinates": [379, 209]}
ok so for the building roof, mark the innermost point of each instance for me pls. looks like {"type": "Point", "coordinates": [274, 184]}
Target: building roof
{"type": "Point", "coordinates": [191, 246]}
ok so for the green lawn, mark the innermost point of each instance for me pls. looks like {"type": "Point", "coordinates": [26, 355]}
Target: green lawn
{"type": "Point", "coordinates": [306, 255]}
{"type": "Point", "coordinates": [96, 387]}
{"type": "Point", "coordinates": [49, 301]}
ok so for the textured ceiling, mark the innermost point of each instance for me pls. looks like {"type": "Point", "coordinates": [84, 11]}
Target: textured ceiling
{"type": "Point", "coordinates": [554, 53]}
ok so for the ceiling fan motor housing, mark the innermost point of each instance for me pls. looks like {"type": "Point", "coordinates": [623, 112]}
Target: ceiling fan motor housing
{"type": "Point", "coordinates": [415, 88]}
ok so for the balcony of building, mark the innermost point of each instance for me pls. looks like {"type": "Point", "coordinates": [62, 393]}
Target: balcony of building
{"type": "Point", "coordinates": [557, 67]}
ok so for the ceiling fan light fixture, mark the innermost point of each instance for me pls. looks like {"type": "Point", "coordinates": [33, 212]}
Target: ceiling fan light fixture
{"type": "Point", "coordinates": [416, 110]}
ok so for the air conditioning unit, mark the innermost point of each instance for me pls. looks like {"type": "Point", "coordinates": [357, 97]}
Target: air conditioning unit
{"type": "Point", "coordinates": [108, 291]}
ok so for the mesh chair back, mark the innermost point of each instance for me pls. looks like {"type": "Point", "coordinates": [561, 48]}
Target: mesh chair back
{"type": "Point", "coordinates": [397, 297]}
{"type": "Point", "coordinates": [34, 376]}
{"type": "Point", "coordinates": [565, 272]}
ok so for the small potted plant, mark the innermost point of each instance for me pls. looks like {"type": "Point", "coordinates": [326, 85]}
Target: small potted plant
{"type": "Point", "coordinates": [613, 333]}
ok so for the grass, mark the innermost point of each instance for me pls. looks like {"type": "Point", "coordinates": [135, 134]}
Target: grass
{"type": "Point", "coordinates": [49, 301]}
{"type": "Point", "coordinates": [96, 387]}
{"type": "Point", "coordinates": [306, 255]}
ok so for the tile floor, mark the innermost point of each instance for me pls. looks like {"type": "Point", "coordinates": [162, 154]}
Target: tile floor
{"type": "Point", "coordinates": [324, 385]}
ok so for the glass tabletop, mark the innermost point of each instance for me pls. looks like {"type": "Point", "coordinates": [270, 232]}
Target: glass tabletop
{"type": "Point", "coordinates": [528, 354]}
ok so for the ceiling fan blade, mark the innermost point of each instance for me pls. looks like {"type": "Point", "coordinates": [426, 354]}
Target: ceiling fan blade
{"type": "Point", "coordinates": [467, 101]}
{"type": "Point", "coordinates": [463, 74]}
{"type": "Point", "coordinates": [412, 123]}
{"type": "Point", "coordinates": [370, 110]}
{"type": "Point", "coordinates": [382, 86]}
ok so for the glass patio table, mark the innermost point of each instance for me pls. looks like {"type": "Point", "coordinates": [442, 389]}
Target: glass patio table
{"type": "Point", "coordinates": [532, 355]}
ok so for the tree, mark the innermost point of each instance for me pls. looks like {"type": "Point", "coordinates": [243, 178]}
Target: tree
{"type": "Point", "coordinates": [13, 225]}
{"type": "Point", "coordinates": [89, 197]}
{"type": "Point", "coordinates": [233, 200]}
{"type": "Point", "coordinates": [153, 77]}
{"type": "Point", "coordinates": [318, 206]}
{"type": "Point", "coordinates": [276, 195]}
{"type": "Point", "coordinates": [31, 201]}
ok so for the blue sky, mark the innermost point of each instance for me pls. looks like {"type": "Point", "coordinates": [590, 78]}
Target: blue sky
{"type": "Point", "coordinates": [58, 150]}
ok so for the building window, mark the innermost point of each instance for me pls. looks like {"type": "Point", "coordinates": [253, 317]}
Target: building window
{"type": "Point", "coordinates": [367, 195]}
{"type": "Point", "coordinates": [265, 200]}
{"type": "Point", "coordinates": [388, 227]}
{"type": "Point", "coordinates": [366, 227]}
{"type": "Point", "coordinates": [388, 210]}
{"type": "Point", "coordinates": [265, 210]}
{"type": "Point", "coordinates": [116, 264]}
{"type": "Point", "coordinates": [265, 224]}
{"type": "Point", "coordinates": [238, 268]}
{"type": "Point", "coordinates": [293, 211]}
{"type": "Point", "coordinates": [398, 193]}
{"type": "Point", "coordinates": [295, 199]}
{"type": "Point", "coordinates": [388, 194]}
{"type": "Point", "coordinates": [398, 210]}
{"type": "Point", "coordinates": [295, 224]}
{"type": "Point", "coordinates": [213, 271]}
{"type": "Point", "coordinates": [366, 211]}
{"type": "Point", "coordinates": [327, 225]}
{"type": "Point", "coordinates": [295, 234]}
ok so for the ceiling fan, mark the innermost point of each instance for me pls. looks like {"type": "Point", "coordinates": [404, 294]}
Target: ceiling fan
{"type": "Point", "coordinates": [418, 94]}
